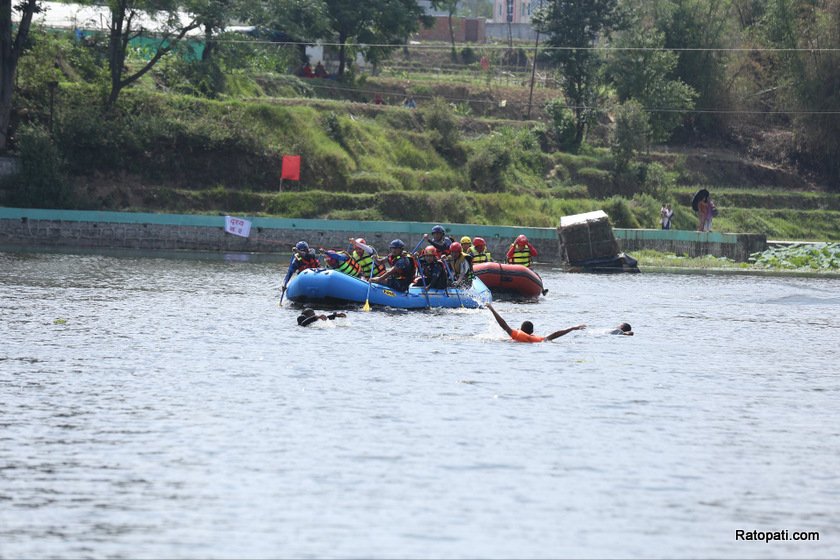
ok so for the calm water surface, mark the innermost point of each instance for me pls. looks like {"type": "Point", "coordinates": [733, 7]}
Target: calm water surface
{"type": "Point", "coordinates": [161, 407]}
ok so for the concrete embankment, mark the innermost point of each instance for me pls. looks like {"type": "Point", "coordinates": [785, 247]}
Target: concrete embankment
{"type": "Point", "coordinates": [71, 228]}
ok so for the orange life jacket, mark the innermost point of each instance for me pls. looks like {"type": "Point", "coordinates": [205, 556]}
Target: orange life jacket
{"type": "Point", "coordinates": [522, 336]}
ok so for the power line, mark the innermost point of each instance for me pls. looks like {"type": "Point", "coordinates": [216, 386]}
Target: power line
{"type": "Point", "coordinates": [446, 47]}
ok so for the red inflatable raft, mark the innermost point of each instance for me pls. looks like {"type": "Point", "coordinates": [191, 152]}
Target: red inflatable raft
{"type": "Point", "coordinates": [510, 278]}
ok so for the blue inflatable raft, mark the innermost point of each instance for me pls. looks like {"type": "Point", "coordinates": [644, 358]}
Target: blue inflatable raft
{"type": "Point", "coordinates": [331, 286]}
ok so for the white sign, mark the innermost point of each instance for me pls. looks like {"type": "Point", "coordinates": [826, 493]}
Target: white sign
{"type": "Point", "coordinates": [237, 226]}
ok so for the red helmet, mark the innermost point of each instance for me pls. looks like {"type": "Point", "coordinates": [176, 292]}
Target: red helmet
{"type": "Point", "coordinates": [455, 247]}
{"type": "Point", "coordinates": [521, 240]}
{"type": "Point", "coordinates": [430, 250]}
{"type": "Point", "coordinates": [479, 242]}
{"type": "Point", "coordinates": [361, 240]}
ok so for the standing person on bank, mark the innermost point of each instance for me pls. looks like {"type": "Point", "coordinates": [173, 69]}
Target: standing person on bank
{"type": "Point", "coordinates": [521, 252]}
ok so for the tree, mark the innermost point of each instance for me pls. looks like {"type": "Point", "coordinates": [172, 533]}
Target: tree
{"type": "Point", "coordinates": [11, 47]}
{"type": "Point", "coordinates": [379, 23]}
{"type": "Point", "coordinates": [125, 26]}
{"type": "Point", "coordinates": [698, 30]}
{"type": "Point", "coordinates": [574, 28]}
{"type": "Point", "coordinates": [809, 76]}
{"type": "Point", "coordinates": [642, 72]}
{"type": "Point", "coordinates": [630, 134]}
{"type": "Point", "coordinates": [451, 6]}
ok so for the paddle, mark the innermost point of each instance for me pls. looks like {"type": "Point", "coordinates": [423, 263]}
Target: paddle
{"type": "Point", "coordinates": [283, 293]}
{"type": "Point", "coordinates": [367, 297]}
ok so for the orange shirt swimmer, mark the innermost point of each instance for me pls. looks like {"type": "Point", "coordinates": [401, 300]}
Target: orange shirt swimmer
{"type": "Point", "coordinates": [525, 333]}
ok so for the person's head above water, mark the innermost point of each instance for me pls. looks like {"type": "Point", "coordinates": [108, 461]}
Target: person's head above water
{"type": "Point", "coordinates": [625, 327]}
{"type": "Point", "coordinates": [306, 316]}
{"type": "Point", "coordinates": [527, 327]}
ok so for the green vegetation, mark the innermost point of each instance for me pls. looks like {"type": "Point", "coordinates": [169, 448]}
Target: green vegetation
{"type": "Point", "coordinates": [820, 256]}
{"type": "Point", "coordinates": [205, 127]}
{"type": "Point", "coordinates": [807, 258]}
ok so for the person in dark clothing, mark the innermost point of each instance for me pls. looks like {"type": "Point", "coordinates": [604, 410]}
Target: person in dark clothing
{"type": "Point", "coordinates": [302, 258]}
{"type": "Point", "coordinates": [623, 329]}
{"type": "Point", "coordinates": [432, 271]}
{"type": "Point", "coordinates": [438, 240]}
{"type": "Point", "coordinates": [401, 271]}
{"type": "Point", "coordinates": [308, 316]}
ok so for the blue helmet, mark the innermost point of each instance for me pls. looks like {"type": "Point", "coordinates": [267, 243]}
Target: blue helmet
{"type": "Point", "coordinates": [397, 244]}
{"type": "Point", "coordinates": [302, 246]}
{"type": "Point", "coordinates": [438, 229]}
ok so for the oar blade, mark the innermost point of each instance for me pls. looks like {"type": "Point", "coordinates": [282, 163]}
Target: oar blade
{"type": "Point", "coordinates": [367, 306]}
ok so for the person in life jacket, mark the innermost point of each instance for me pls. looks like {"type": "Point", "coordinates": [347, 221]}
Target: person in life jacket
{"type": "Point", "coordinates": [479, 251]}
{"type": "Point", "coordinates": [431, 270]}
{"type": "Point", "coordinates": [466, 245]}
{"type": "Point", "coordinates": [402, 268]}
{"type": "Point", "coordinates": [342, 262]}
{"type": "Point", "coordinates": [302, 258]}
{"type": "Point", "coordinates": [461, 265]}
{"type": "Point", "coordinates": [521, 251]}
{"type": "Point", "coordinates": [438, 240]}
{"type": "Point", "coordinates": [525, 333]}
{"type": "Point", "coordinates": [364, 255]}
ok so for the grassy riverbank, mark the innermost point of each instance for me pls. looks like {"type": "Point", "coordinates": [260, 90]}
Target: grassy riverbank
{"type": "Point", "coordinates": [480, 162]}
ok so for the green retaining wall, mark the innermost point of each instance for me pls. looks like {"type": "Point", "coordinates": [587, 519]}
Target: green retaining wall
{"type": "Point", "coordinates": [39, 227]}
{"type": "Point", "coordinates": [736, 246]}
{"type": "Point", "coordinates": [24, 226]}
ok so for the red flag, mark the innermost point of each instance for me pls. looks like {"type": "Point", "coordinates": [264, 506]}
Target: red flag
{"type": "Point", "coordinates": [291, 168]}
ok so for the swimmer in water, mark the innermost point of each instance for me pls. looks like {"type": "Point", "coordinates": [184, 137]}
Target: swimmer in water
{"type": "Point", "coordinates": [308, 316]}
{"type": "Point", "coordinates": [525, 333]}
{"type": "Point", "coordinates": [623, 329]}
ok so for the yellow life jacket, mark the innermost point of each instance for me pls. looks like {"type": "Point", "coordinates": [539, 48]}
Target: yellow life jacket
{"type": "Point", "coordinates": [478, 258]}
{"type": "Point", "coordinates": [458, 263]}
{"type": "Point", "coordinates": [522, 257]}
{"type": "Point", "coordinates": [350, 267]}
{"type": "Point", "coordinates": [366, 264]}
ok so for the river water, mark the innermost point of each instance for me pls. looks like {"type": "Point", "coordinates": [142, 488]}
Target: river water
{"type": "Point", "coordinates": [159, 406]}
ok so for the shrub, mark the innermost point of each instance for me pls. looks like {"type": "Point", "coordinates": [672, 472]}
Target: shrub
{"type": "Point", "coordinates": [630, 134]}
{"type": "Point", "coordinates": [487, 167]}
{"type": "Point", "coordinates": [562, 124]}
{"type": "Point", "coordinates": [597, 181]}
{"type": "Point", "coordinates": [468, 55]}
{"type": "Point", "coordinates": [621, 216]}
{"type": "Point", "coordinates": [443, 127]}
{"type": "Point", "coordinates": [41, 182]}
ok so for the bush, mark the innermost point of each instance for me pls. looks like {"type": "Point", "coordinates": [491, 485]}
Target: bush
{"type": "Point", "coordinates": [631, 133]}
{"type": "Point", "coordinates": [621, 216]}
{"type": "Point", "coordinates": [41, 182]}
{"type": "Point", "coordinates": [443, 126]}
{"type": "Point", "coordinates": [563, 124]}
{"type": "Point", "coordinates": [487, 167]}
{"type": "Point", "coordinates": [597, 181]}
{"type": "Point", "coordinates": [468, 55]}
